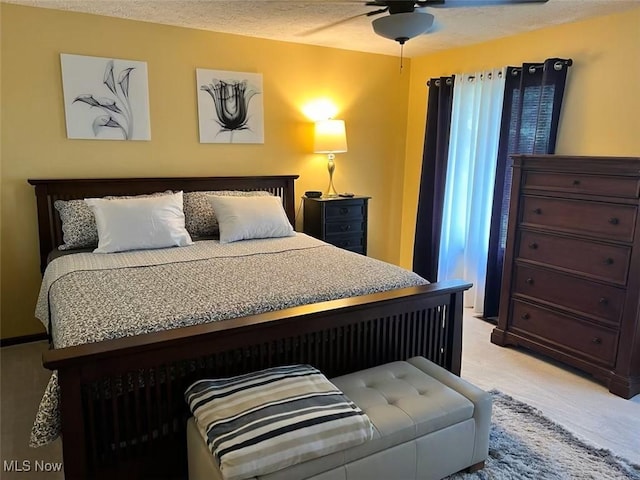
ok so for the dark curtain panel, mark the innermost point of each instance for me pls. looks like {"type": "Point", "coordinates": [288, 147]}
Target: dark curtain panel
{"type": "Point", "coordinates": [433, 178]}
{"type": "Point", "coordinates": [530, 116]}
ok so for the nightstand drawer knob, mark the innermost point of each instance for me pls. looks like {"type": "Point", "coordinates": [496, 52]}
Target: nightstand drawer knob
{"type": "Point", "coordinates": [525, 316]}
{"type": "Point", "coordinates": [576, 182]}
{"type": "Point", "coordinates": [614, 221]}
{"type": "Point", "coordinates": [608, 261]}
{"type": "Point", "coordinates": [597, 340]}
{"type": "Point", "coordinates": [603, 301]}
{"type": "Point", "coordinates": [344, 210]}
{"type": "Point", "coordinates": [537, 211]}
{"type": "Point", "coordinates": [345, 228]}
{"type": "Point", "coordinates": [529, 281]}
{"type": "Point", "coordinates": [533, 246]}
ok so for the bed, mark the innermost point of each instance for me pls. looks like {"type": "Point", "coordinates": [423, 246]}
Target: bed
{"type": "Point", "coordinates": [120, 400]}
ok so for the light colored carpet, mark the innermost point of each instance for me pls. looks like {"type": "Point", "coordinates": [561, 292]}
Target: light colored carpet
{"type": "Point", "coordinates": [524, 444]}
{"type": "Point", "coordinates": [563, 394]}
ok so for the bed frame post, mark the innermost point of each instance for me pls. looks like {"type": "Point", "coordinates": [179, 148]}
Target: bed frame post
{"type": "Point", "coordinates": [454, 347]}
{"type": "Point", "coordinates": [74, 452]}
{"type": "Point", "coordinates": [45, 225]}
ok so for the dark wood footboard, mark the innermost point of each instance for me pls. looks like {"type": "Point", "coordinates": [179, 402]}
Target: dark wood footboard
{"type": "Point", "coordinates": [123, 410]}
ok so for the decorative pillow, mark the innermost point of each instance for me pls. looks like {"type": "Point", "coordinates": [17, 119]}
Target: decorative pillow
{"type": "Point", "coordinates": [139, 223]}
{"type": "Point", "coordinates": [265, 421]}
{"type": "Point", "coordinates": [78, 223]}
{"type": "Point", "coordinates": [244, 218]}
{"type": "Point", "coordinates": [200, 219]}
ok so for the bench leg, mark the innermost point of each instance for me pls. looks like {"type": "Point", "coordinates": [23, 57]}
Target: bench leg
{"type": "Point", "coordinates": [475, 467]}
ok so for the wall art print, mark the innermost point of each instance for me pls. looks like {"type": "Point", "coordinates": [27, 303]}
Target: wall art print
{"type": "Point", "coordinates": [230, 106]}
{"type": "Point", "coordinates": [105, 98]}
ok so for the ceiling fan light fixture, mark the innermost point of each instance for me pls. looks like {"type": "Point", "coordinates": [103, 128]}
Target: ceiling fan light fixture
{"type": "Point", "coordinates": [403, 26]}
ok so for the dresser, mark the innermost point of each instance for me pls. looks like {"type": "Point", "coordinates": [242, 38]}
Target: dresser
{"type": "Point", "coordinates": [571, 277]}
{"type": "Point", "coordinates": [341, 221]}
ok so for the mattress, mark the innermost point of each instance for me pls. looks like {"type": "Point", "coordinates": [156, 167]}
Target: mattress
{"type": "Point", "coordinates": [89, 297]}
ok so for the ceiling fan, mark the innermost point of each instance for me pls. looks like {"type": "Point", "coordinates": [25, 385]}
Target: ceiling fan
{"type": "Point", "coordinates": [407, 18]}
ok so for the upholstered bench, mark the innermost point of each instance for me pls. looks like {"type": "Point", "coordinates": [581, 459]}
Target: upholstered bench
{"type": "Point", "coordinates": [428, 423]}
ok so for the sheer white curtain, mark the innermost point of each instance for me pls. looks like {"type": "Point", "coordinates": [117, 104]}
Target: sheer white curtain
{"type": "Point", "coordinates": [473, 150]}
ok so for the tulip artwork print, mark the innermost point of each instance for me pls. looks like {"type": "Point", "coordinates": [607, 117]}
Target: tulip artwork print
{"type": "Point", "coordinates": [105, 99]}
{"type": "Point", "coordinates": [229, 107]}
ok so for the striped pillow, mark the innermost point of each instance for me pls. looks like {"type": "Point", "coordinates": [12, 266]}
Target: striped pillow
{"type": "Point", "coordinates": [265, 421]}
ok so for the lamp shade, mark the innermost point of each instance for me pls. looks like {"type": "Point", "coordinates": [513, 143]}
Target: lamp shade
{"type": "Point", "coordinates": [330, 136]}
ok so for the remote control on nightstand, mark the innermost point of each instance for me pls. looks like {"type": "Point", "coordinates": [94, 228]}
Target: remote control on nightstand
{"type": "Point", "coordinates": [346, 194]}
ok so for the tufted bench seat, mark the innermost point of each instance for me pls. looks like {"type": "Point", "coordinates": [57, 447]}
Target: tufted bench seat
{"type": "Point", "coordinates": [428, 423]}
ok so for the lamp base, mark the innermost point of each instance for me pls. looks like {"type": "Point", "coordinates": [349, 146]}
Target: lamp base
{"type": "Point", "coordinates": [331, 190]}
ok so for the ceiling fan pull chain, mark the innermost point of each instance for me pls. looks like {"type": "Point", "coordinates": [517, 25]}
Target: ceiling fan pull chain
{"type": "Point", "coordinates": [401, 55]}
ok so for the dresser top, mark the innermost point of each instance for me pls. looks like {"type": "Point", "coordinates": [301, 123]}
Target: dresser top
{"type": "Point", "coordinates": [628, 166]}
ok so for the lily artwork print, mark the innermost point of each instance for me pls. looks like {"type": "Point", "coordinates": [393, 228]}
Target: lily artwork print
{"type": "Point", "coordinates": [105, 98]}
{"type": "Point", "coordinates": [230, 106]}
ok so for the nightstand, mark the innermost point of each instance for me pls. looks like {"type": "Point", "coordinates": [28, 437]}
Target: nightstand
{"type": "Point", "coordinates": [341, 221]}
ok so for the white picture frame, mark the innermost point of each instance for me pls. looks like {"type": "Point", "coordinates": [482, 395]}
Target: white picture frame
{"type": "Point", "coordinates": [230, 107]}
{"type": "Point", "coordinates": [105, 98]}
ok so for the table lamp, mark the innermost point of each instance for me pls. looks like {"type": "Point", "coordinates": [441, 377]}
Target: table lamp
{"type": "Point", "coordinates": [330, 138]}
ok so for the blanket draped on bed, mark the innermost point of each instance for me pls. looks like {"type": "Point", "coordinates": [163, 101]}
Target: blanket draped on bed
{"type": "Point", "coordinates": [88, 297]}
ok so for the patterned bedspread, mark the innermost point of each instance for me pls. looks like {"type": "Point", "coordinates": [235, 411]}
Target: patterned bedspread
{"type": "Point", "coordinates": [89, 297]}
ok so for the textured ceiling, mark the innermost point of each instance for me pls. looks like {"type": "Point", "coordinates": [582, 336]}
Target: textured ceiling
{"type": "Point", "coordinates": [309, 21]}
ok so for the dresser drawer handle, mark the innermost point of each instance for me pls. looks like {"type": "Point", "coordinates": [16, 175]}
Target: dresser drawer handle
{"type": "Point", "coordinates": [576, 182]}
{"type": "Point", "coordinates": [529, 281]}
{"type": "Point", "coordinates": [533, 246]}
{"type": "Point", "coordinates": [597, 340]}
{"type": "Point", "coordinates": [537, 211]}
{"type": "Point", "coordinates": [614, 221]}
{"type": "Point", "coordinates": [344, 210]}
{"type": "Point", "coordinates": [525, 316]}
{"type": "Point", "coordinates": [345, 228]}
{"type": "Point", "coordinates": [603, 301]}
{"type": "Point", "coordinates": [608, 261]}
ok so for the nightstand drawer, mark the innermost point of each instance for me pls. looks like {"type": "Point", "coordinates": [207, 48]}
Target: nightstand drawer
{"type": "Point", "coordinates": [580, 295]}
{"type": "Point", "coordinates": [353, 226]}
{"type": "Point", "coordinates": [604, 220]}
{"type": "Point", "coordinates": [606, 262]}
{"type": "Point", "coordinates": [341, 210]}
{"type": "Point", "coordinates": [578, 183]}
{"type": "Point", "coordinates": [341, 221]}
{"type": "Point", "coordinates": [355, 243]}
{"type": "Point", "coordinates": [565, 332]}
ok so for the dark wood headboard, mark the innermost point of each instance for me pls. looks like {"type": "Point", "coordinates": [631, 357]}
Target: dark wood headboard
{"type": "Point", "coordinates": [48, 191]}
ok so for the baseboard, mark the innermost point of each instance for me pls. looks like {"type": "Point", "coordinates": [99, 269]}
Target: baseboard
{"type": "Point", "coordinates": [36, 337]}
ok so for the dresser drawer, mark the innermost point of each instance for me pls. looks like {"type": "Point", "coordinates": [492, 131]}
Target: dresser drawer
{"type": "Point", "coordinates": [604, 220]}
{"type": "Point", "coordinates": [355, 243]}
{"type": "Point", "coordinates": [344, 209]}
{"type": "Point", "coordinates": [345, 226]}
{"type": "Point", "coordinates": [606, 262]}
{"type": "Point", "coordinates": [566, 333]}
{"type": "Point", "coordinates": [585, 297]}
{"type": "Point", "coordinates": [626, 187]}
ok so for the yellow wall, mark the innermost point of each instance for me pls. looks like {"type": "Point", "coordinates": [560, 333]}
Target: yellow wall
{"type": "Point", "coordinates": [601, 103]}
{"type": "Point", "coordinates": [368, 89]}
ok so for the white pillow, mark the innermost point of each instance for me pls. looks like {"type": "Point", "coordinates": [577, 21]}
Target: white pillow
{"type": "Point", "coordinates": [244, 218]}
{"type": "Point", "coordinates": [139, 223]}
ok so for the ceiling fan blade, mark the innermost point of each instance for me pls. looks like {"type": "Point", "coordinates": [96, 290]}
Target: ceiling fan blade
{"type": "Point", "coordinates": [331, 25]}
{"type": "Point", "coordinates": [377, 12]}
{"type": "Point", "coordinates": [474, 3]}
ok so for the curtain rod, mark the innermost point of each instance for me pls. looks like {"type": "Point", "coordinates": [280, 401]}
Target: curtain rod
{"type": "Point", "coordinates": [558, 64]}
